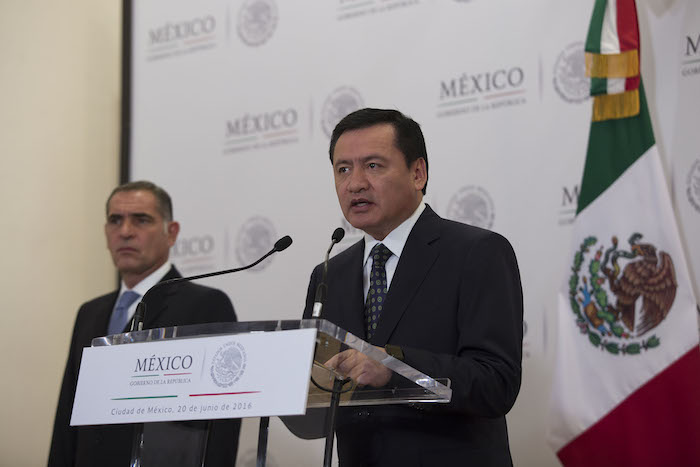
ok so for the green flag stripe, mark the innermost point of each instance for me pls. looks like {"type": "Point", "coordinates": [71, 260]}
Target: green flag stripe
{"type": "Point", "coordinates": [614, 145]}
{"type": "Point", "coordinates": [599, 86]}
{"type": "Point", "coordinates": [596, 27]}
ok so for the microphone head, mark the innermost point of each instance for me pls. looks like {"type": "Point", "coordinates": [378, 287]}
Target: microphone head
{"type": "Point", "coordinates": [283, 243]}
{"type": "Point", "coordinates": [338, 235]}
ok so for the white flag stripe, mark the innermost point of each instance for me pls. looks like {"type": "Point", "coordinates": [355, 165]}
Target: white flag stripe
{"type": "Point", "coordinates": [609, 42]}
{"type": "Point", "coordinates": [616, 85]}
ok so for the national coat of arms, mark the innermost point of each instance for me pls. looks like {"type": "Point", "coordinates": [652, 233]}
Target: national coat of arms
{"type": "Point", "coordinates": [228, 364]}
{"type": "Point", "coordinates": [622, 295]}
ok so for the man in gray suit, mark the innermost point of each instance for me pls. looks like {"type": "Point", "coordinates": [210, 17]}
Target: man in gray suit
{"type": "Point", "coordinates": [140, 231]}
{"type": "Point", "coordinates": [442, 296]}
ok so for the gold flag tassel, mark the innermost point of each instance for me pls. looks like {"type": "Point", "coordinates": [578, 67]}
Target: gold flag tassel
{"type": "Point", "coordinates": [622, 65]}
{"type": "Point", "coordinates": [611, 106]}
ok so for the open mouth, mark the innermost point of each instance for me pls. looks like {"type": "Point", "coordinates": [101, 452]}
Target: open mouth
{"type": "Point", "coordinates": [359, 203]}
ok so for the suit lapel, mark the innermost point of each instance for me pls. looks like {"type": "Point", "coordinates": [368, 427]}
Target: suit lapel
{"type": "Point", "coordinates": [416, 260]}
{"type": "Point", "coordinates": [158, 301]}
{"type": "Point", "coordinates": [103, 316]}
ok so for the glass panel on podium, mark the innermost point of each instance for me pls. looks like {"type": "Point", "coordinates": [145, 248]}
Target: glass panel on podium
{"type": "Point", "coordinates": [407, 385]}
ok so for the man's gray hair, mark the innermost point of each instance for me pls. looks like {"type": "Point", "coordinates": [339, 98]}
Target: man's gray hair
{"type": "Point", "coordinates": [163, 203]}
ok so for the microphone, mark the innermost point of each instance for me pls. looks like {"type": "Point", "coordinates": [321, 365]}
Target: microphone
{"type": "Point", "coordinates": [322, 288]}
{"type": "Point", "coordinates": [338, 235]}
{"type": "Point", "coordinates": [137, 323]}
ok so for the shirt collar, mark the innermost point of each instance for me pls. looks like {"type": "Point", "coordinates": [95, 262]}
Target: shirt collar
{"type": "Point", "coordinates": [396, 239]}
{"type": "Point", "coordinates": [149, 281]}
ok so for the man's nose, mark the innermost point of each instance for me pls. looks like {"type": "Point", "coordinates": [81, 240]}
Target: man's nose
{"type": "Point", "coordinates": [357, 181]}
{"type": "Point", "coordinates": [126, 229]}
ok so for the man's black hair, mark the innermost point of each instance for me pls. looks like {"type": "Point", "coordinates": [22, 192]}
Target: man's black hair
{"type": "Point", "coordinates": [409, 137]}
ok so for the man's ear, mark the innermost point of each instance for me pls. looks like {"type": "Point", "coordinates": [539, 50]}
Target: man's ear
{"type": "Point", "coordinates": [420, 173]}
{"type": "Point", "coordinates": [172, 230]}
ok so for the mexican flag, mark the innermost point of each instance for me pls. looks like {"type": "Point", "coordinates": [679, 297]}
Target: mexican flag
{"type": "Point", "coordinates": [626, 388]}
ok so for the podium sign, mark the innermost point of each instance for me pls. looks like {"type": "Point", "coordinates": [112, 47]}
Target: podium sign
{"type": "Point", "coordinates": [223, 376]}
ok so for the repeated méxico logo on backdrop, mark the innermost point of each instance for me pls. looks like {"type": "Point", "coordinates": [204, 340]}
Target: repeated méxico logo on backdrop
{"type": "Point", "coordinates": [255, 237]}
{"type": "Point", "coordinates": [690, 69]}
{"type": "Point", "coordinates": [184, 36]}
{"type": "Point", "coordinates": [569, 77]}
{"type": "Point", "coordinates": [337, 105]}
{"type": "Point", "coordinates": [355, 9]}
{"type": "Point", "coordinates": [253, 131]}
{"type": "Point", "coordinates": [472, 205]}
{"type": "Point", "coordinates": [481, 91]}
{"type": "Point", "coordinates": [690, 62]}
{"type": "Point", "coordinates": [195, 253]}
{"type": "Point", "coordinates": [692, 183]}
{"type": "Point", "coordinates": [620, 293]}
{"type": "Point", "coordinates": [256, 21]}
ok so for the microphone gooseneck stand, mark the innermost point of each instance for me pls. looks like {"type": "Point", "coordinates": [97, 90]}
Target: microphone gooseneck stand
{"type": "Point", "coordinates": [137, 325]}
{"type": "Point", "coordinates": [330, 419]}
{"type": "Point", "coordinates": [262, 441]}
{"type": "Point", "coordinates": [322, 288]}
{"type": "Point", "coordinates": [321, 292]}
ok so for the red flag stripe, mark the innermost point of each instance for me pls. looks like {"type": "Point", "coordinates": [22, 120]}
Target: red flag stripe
{"type": "Point", "coordinates": [628, 35]}
{"type": "Point", "coordinates": [659, 424]}
{"type": "Point", "coordinates": [627, 26]}
{"type": "Point", "coordinates": [632, 83]}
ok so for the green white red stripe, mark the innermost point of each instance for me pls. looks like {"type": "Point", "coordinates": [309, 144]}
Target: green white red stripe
{"type": "Point", "coordinates": [613, 27]}
{"type": "Point", "coordinates": [613, 36]}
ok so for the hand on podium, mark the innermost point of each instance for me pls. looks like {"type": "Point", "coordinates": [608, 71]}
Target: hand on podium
{"type": "Point", "coordinates": [360, 368]}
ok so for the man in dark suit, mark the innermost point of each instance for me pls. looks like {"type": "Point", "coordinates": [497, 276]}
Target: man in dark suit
{"type": "Point", "coordinates": [444, 297]}
{"type": "Point", "coordinates": [140, 232]}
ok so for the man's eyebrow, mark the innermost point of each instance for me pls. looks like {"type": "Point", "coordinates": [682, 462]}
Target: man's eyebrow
{"type": "Point", "coordinates": [139, 215]}
{"type": "Point", "coordinates": [362, 160]}
{"type": "Point", "coordinates": [372, 157]}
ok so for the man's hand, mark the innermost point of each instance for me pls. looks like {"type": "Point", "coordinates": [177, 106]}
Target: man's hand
{"type": "Point", "coordinates": [362, 369]}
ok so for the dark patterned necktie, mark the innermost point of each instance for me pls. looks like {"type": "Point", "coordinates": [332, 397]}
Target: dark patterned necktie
{"type": "Point", "coordinates": [376, 296]}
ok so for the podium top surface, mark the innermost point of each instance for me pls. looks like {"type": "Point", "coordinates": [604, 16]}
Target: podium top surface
{"type": "Point", "coordinates": [408, 385]}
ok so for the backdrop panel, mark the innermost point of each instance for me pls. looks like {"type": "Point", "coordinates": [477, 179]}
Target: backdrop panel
{"type": "Point", "coordinates": [233, 103]}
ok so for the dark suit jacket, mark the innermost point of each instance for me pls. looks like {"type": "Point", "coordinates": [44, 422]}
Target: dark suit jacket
{"type": "Point", "coordinates": [455, 308]}
{"type": "Point", "coordinates": [110, 445]}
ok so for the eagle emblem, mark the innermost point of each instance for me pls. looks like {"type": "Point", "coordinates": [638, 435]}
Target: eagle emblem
{"type": "Point", "coordinates": [228, 364]}
{"type": "Point", "coordinates": [624, 295]}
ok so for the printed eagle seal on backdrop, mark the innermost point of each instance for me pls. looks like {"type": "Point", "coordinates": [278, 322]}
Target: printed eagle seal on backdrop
{"type": "Point", "coordinates": [617, 304]}
{"type": "Point", "coordinates": [257, 21]}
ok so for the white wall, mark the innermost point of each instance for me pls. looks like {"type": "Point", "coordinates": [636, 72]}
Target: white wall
{"type": "Point", "coordinates": [59, 139]}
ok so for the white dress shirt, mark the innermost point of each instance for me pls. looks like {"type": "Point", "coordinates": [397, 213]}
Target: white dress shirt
{"type": "Point", "coordinates": [395, 242]}
{"type": "Point", "coordinates": [142, 287]}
